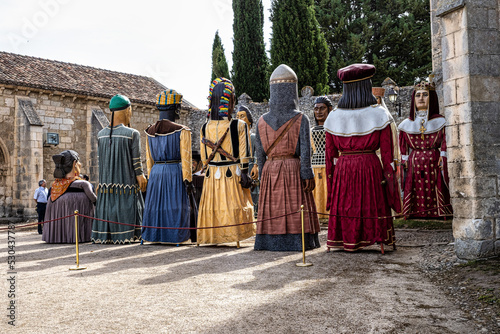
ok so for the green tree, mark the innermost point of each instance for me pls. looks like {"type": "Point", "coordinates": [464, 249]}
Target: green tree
{"type": "Point", "coordinates": [250, 71]}
{"type": "Point", "coordinates": [219, 63]}
{"type": "Point", "coordinates": [393, 35]}
{"type": "Point", "coordinates": [298, 42]}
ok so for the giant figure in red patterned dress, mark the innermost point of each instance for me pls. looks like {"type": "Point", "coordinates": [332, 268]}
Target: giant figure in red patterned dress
{"type": "Point", "coordinates": [422, 141]}
{"type": "Point", "coordinates": [361, 189]}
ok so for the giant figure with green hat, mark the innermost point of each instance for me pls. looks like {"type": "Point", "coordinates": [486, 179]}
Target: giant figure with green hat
{"type": "Point", "coordinates": [121, 178]}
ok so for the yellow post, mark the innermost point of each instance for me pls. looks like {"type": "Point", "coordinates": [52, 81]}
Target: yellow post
{"type": "Point", "coordinates": [303, 264]}
{"type": "Point", "coordinates": [76, 242]}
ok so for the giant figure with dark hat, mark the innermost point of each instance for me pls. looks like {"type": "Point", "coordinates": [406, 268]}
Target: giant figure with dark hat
{"type": "Point", "coordinates": [422, 141]}
{"type": "Point", "coordinates": [225, 152]}
{"type": "Point", "coordinates": [361, 188]}
{"type": "Point", "coordinates": [169, 161]}
{"type": "Point", "coordinates": [322, 107]}
{"type": "Point", "coordinates": [283, 149]}
{"type": "Point", "coordinates": [121, 178]}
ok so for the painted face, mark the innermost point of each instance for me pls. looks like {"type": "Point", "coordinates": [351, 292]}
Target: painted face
{"type": "Point", "coordinates": [243, 116]}
{"type": "Point", "coordinates": [379, 99]}
{"type": "Point", "coordinates": [422, 99]}
{"type": "Point", "coordinates": [321, 111]}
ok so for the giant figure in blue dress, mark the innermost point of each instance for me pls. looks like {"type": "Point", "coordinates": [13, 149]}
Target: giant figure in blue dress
{"type": "Point", "coordinates": [168, 151]}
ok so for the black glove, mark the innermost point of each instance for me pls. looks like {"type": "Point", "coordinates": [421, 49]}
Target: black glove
{"type": "Point", "coordinates": [189, 187]}
{"type": "Point", "coordinates": [246, 181]}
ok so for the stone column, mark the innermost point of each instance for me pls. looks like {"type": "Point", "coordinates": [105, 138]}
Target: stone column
{"type": "Point", "coordinates": [466, 55]}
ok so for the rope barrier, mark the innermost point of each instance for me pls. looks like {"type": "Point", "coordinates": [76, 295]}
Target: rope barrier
{"type": "Point", "coordinates": [233, 225]}
{"type": "Point", "coordinates": [188, 228]}
{"type": "Point", "coordinates": [38, 223]}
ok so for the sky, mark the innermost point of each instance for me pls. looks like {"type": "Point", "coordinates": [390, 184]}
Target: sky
{"type": "Point", "coordinates": [170, 41]}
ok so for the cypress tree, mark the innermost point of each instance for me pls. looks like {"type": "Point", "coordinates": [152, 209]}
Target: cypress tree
{"type": "Point", "coordinates": [393, 35]}
{"type": "Point", "coordinates": [298, 42]}
{"type": "Point", "coordinates": [219, 63]}
{"type": "Point", "coordinates": [250, 71]}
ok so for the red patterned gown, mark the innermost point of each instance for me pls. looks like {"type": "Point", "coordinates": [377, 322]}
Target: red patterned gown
{"type": "Point", "coordinates": [357, 184]}
{"type": "Point", "coordinates": [426, 193]}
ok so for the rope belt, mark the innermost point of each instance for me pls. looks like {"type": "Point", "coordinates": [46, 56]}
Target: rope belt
{"type": "Point", "coordinates": [356, 152]}
{"type": "Point", "coordinates": [167, 162]}
{"type": "Point", "coordinates": [282, 157]}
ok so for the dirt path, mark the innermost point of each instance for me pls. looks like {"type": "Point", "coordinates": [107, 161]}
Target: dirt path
{"type": "Point", "coordinates": [189, 289]}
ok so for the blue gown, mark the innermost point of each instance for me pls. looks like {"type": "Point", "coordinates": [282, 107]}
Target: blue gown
{"type": "Point", "coordinates": [167, 203]}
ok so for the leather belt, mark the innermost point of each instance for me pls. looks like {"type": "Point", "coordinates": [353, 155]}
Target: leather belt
{"type": "Point", "coordinates": [282, 157]}
{"type": "Point", "coordinates": [167, 162]}
{"type": "Point", "coordinates": [356, 152]}
{"type": "Point", "coordinates": [224, 163]}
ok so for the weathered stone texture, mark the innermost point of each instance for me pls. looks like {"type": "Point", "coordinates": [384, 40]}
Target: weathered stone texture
{"type": "Point", "coordinates": [469, 36]}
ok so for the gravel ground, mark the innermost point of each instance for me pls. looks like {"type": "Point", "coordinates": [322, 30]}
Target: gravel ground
{"type": "Point", "coordinates": [221, 289]}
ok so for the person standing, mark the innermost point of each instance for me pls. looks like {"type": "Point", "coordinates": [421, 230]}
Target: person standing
{"type": "Point", "coordinates": [121, 178]}
{"type": "Point", "coordinates": [225, 152]}
{"type": "Point", "coordinates": [422, 140]}
{"type": "Point", "coordinates": [283, 149]}
{"type": "Point", "coordinates": [322, 107]}
{"type": "Point", "coordinates": [40, 197]}
{"type": "Point", "coordinates": [169, 162]}
{"type": "Point", "coordinates": [361, 190]}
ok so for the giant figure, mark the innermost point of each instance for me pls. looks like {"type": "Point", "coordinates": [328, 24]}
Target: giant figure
{"type": "Point", "coordinates": [361, 190]}
{"type": "Point", "coordinates": [169, 161]}
{"type": "Point", "coordinates": [121, 178]}
{"type": "Point", "coordinates": [283, 149]}
{"type": "Point", "coordinates": [225, 151]}
{"type": "Point", "coordinates": [422, 141]}
{"type": "Point", "coordinates": [322, 107]}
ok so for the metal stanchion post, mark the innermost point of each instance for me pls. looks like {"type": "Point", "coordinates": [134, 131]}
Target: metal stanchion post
{"type": "Point", "coordinates": [303, 264]}
{"type": "Point", "coordinates": [76, 242]}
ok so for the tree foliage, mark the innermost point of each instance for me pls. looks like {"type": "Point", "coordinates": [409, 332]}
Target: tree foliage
{"type": "Point", "coordinates": [298, 42]}
{"type": "Point", "coordinates": [219, 63]}
{"type": "Point", "coordinates": [250, 71]}
{"type": "Point", "coordinates": [393, 35]}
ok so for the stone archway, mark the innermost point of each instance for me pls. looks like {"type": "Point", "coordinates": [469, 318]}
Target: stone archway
{"type": "Point", "coordinates": [5, 181]}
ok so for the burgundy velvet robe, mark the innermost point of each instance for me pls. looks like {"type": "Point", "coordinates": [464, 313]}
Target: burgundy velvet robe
{"type": "Point", "coordinates": [356, 191]}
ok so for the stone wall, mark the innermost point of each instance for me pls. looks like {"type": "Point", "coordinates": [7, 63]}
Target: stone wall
{"type": "Point", "coordinates": [466, 53]}
{"type": "Point", "coordinates": [26, 115]}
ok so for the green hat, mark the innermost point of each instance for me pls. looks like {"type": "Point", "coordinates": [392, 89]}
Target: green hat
{"type": "Point", "coordinates": [119, 102]}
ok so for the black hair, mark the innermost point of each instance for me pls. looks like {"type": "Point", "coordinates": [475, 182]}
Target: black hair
{"type": "Point", "coordinates": [64, 163]}
{"type": "Point", "coordinates": [357, 95]}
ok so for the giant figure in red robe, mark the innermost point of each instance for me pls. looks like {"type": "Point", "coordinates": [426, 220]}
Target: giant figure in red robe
{"type": "Point", "coordinates": [361, 188]}
{"type": "Point", "coordinates": [422, 141]}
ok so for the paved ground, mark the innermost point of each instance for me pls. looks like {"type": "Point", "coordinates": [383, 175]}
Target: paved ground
{"type": "Point", "coordinates": [188, 289]}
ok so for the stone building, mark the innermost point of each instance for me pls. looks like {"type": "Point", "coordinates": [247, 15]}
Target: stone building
{"type": "Point", "coordinates": [41, 99]}
{"type": "Point", "coordinates": [466, 54]}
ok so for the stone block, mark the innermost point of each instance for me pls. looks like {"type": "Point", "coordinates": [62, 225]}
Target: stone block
{"type": "Point", "coordinates": [488, 207]}
{"type": "Point", "coordinates": [486, 187]}
{"type": "Point", "coordinates": [448, 47]}
{"type": "Point", "coordinates": [5, 111]}
{"type": "Point", "coordinates": [467, 249]}
{"type": "Point", "coordinates": [462, 86]}
{"type": "Point", "coordinates": [68, 121]}
{"type": "Point", "coordinates": [58, 120]}
{"type": "Point", "coordinates": [477, 17]}
{"type": "Point", "coordinates": [463, 188]}
{"type": "Point", "coordinates": [461, 43]}
{"type": "Point", "coordinates": [484, 88]}
{"type": "Point", "coordinates": [65, 127]}
{"type": "Point", "coordinates": [49, 120]}
{"type": "Point", "coordinates": [484, 65]}
{"type": "Point", "coordinates": [458, 114]}
{"type": "Point", "coordinates": [484, 41]}
{"type": "Point", "coordinates": [65, 140]}
{"type": "Point", "coordinates": [68, 110]}
{"type": "Point", "coordinates": [10, 102]}
{"type": "Point", "coordinates": [449, 93]}
{"type": "Point", "coordinates": [493, 18]}
{"type": "Point", "coordinates": [455, 68]}
{"type": "Point", "coordinates": [54, 126]}
{"type": "Point", "coordinates": [55, 103]}
{"type": "Point", "coordinates": [46, 102]}
{"type": "Point", "coordinates": [454, 21]}
{"type": "Point", "coordinates": [461, 153]}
